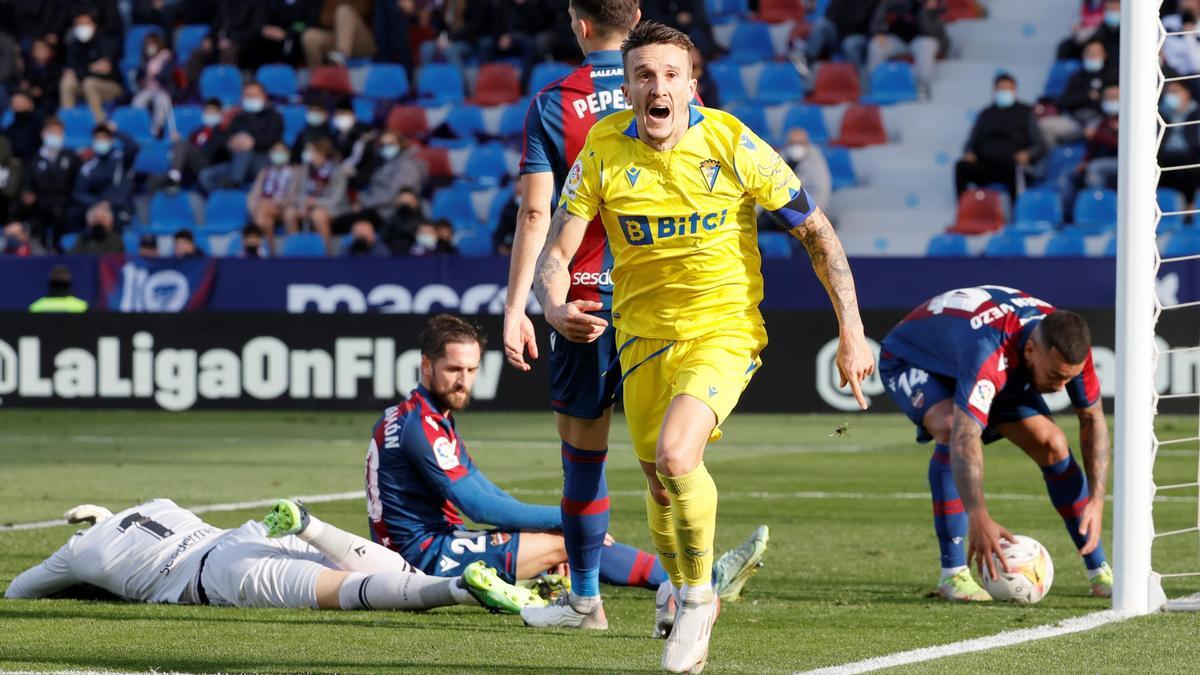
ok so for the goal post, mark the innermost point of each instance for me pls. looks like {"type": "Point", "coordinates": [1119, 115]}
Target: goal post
{"type": "Point", "coordinates": [1135, 587]}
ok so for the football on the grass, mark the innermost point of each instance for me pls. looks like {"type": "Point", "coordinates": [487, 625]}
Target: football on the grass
{"type": "Point", "coordinates": [1032, 572]}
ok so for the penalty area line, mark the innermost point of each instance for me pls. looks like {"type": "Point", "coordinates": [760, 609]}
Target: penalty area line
{"type": "Point", "coordinates": [1076, 624]}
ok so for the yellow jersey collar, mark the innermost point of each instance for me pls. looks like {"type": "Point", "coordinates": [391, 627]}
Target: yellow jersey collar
{"type": "Point", "coordinates": [694, 117]}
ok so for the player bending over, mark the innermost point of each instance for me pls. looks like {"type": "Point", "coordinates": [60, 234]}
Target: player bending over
{"type": "Point", "coordinates": [420, 478]}
{"type": "Point", "coordinates": [675, 186]}
{"type": "Point", "coordinates": [969, 367]}
{"type": "Point", "coordinates": [159, 552]}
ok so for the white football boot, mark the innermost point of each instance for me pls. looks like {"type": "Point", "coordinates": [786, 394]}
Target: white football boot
{"type": "Point", "coordinates": [686, 650]}
{"type": "Point", "coordinates": [666, 603]}
{"type": "Point", "coordinates": [563, 614]}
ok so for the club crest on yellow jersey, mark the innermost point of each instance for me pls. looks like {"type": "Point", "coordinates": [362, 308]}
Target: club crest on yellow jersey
{"type": "Point", "coordinates": [710, 169]}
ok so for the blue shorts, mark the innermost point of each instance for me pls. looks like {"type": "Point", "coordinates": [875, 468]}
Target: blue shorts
{"type": "Point", "coordinates": [446, 555]}
{"type": "Point", "coordinates": [916, 391]}
{"type": "Point", "coordinates": [584, 377]}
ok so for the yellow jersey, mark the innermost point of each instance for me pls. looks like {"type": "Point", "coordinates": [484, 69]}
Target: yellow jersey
{"type": "Point", "coordinates": [681, 222]}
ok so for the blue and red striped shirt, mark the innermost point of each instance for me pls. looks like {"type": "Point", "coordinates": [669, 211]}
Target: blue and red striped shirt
{"type": "Point", "coordinates": [977, 336]}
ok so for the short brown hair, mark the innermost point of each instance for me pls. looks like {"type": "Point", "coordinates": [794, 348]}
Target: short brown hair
{"type": "Point", "coordinates": [443, 329]}
{"type": "Point", "coordinates": [1068, 333]}
{"type": "Point", "coordinates": [608, 16]}
{"type": "Point", "coordinates": [654, 33]}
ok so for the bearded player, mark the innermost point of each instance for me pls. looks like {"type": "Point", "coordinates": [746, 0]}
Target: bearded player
{"type": "Point", "coordinates": [675, 186]}
{"type": "Point", "coordinates": [970, 367]}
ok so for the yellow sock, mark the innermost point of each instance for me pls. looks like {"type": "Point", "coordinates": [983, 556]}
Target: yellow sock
{"type": "Point", "coordinates": [662, 532]}
{"type": "Point", "coordinates": [694, 500]}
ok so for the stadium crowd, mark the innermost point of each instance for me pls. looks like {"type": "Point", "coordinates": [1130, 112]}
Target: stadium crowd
{"type": "Point", "coordinates": [131, 121]}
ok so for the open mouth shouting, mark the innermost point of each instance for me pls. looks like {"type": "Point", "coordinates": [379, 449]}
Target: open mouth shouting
{"type": "Point", "coordinates": [659, 111]}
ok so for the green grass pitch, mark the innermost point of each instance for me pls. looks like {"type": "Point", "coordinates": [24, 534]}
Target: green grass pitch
{"type": "Point", "coordinates": [851, 559]}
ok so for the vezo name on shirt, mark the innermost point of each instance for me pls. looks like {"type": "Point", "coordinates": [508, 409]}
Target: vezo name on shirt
{"type": "Point", "coordinates": [600, 100]}
{"type": "Point", "coordinates": [992, 314]}
{"type": "Point", "coordinates": [644, 230]}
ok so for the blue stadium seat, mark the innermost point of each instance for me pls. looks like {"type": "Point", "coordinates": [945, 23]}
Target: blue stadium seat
{"type": "Point", "coordinates": [221, 81]}
{"type": "Point", "coordinates": [512, 120]}
{"type": "Point", "coordinates": [1037, 211]}
{"type": "Point", "coordinates": [1096, 210]}
{"type": "Point", "coordinates": [188, 118]}
{"type": "Point", "coordinates": [293, 121]}
{"type": "Point", "coordinates": [187, 39]}
{"type": "Point", "coordinates": [807, 117]}
{"type": "Point", "coordinates": [6, 119]}
{"type": "Point", "coordinates": [133, 121]}
{"type": "Point", "coordinates": [499, 201]}
{"type": "Point", "coordinates": [466, 121]}
{"type": "Point", "coordinates": [1184, 242]}
{"type": "Point", "coordinates": [278, 79]}
{"type": "Point", "coordinates": [130, 241]}
{"type": "Point", "coordinates": [751, 42]}
{"type": "Point", "coordinates": [474, 245]}
{"type": "Point", "coordinates": [721, 10]}
{"type": "Point", "coordinates": [302, 245]}
{"type": "Point", "coordinates": [487, 164]}
{"type": "Point", "coordinates": [154, 156]}
{"type": "Point", "coordinates": [727, 75]}
{"type": "Point", "coordinates": [1110, 247]}
{"type": "Point", "coordinates": [77, 126]}
{"type": "Point", "coordinates": [68, 241]}
{"type": "Point", "coordinates": [1066, 244]}
{"type": "Point", "coordinates": [1061, 163]}
{"type": "Point", "coordinates": [440, 83]}
{"type": "Point", "coordinates": [171, 212]}
{"type": "Point", "coordinates": [778, 83]}
{"type": "Point", "coordinates": [774, 245]}
{"type": "Point", "coordinates": [135, 35]}
{"type": "Point", "coordinates": [841, 166]}
{"type": "Point", "coordinates": [454, 204]}
{"type": "Point", "coordinates": [948, 246]}
{"type": "Point", "coordinates": [1056, 79]}
{"type": "Point", "coordinates": [754, 117]}
{"type": "Point", "coordinates": [1170, 200]}
{"type": "Point", "coordinates": [364, 109]}
{"type": "Point", "coordinates": [225, 211]}
{"type": "Point", "coordinates": [1005, 245]}
{"type": "Point", "coordinates": [386, 81]}
{"type": "Point", "coordinates": [546, 72]}
{"type": "Point", "coordinates": [892, 82]}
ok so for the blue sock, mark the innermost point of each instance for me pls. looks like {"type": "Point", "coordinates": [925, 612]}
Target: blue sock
{"type": "Point", "coordinates": [949, 517]}
{"type": "Point", "coordinates": [584, 515]}
{"type": "Point", "coordinates": [1068, 488]}
{"type": "Point", "coordinates": [622, 565]}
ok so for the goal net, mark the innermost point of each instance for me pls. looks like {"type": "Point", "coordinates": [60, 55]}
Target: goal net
{"type": "Point", "coordinates": [1156, 534]}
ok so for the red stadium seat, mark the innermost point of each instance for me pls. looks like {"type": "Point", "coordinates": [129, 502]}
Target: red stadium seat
{"type": "Point", "coordinates": [962, 9]}
{"type": "Point", "coordinates": [437, 160]}
{"type": "Point", "coordinates": [835, 83]}
{"type": "Point", "coordinates": [333, 79]}
{"type": "Point", "coordinates": [497, 84]}
{"type": "Point", "coordinates": [979, 212]}
{"type": "Point", "coordinates": [862, 125]}
{"type": "Point", "coordinates": [779, 11]}
{"type": "Point", "coordinates": [408, 120]}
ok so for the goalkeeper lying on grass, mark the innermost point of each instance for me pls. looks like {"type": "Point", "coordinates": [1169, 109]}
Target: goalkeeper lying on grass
{"type": "Point", "coordinates": [160, 552]}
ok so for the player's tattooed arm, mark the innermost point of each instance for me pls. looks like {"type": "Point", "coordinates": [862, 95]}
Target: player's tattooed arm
{"type": "Point", "coordinates": [966, 460]}
{"type": "Point", "coordinates": [1093, 442]}
{"type": "Point", "coordinates": [552, 281]}
{"type": "Point", "coordinates": [855, 360]}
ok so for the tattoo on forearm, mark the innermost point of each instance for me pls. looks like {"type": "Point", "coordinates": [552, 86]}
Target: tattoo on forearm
{"type": "Point", "coordinates": [966, 460]}
{"type": "Point", "coordinates": [1093, 441]}
{"type": "Point", "coordinates": [829, 262]}
{"type": "Point", "coordinates": [549, 265]}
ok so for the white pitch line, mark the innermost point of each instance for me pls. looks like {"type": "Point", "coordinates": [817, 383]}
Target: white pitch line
{"type": "Point", "coordinates": [1005, 639]}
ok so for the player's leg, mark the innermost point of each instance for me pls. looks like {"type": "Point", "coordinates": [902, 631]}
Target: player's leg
{"type": "Point", "coordinates": [585, 510]}
{"type": "Point", "coordinates": [1066, 482]}
{"type": "Point", "coordinates": [620, 564]}
{"type": "Point", "coordinates": [346, 551]}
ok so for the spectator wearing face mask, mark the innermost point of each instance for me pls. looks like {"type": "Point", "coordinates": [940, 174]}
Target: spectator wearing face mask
{"type": "Point", "coordinates": [198, 151]}
{"type": "Point", "coordinates": [12, 173]}
{"type": "Point", "coordinates": [346, 129]}
{"type": "Point", "coordinates": [445, 235]}
{"type": "Point", "coordinates": [1079, 103]}
{"type": "Point", "coordinates": [278, 185]}
{"type": "Point", "coordinates": [807, 160]}
{"type": "Point", "coordinates": [156, 81]}
{"type": "Point", "coordinates": [250, 135]}
{"type": "Point", "coordinates": [18, 242]}
{"type": "Point", "coordinates": [399, 230]}
{"type": "Point", "coordinates": [185, 245]}
{"type": "Point", "coordinates": [316, 126]}
{"type": "Point", "coordinates": [1181, 144]}
{"type": "Point", "coordinates": [396, 169]}
{"type": "Point", "coordinates": [1100, 158]}
{"type": "Point", "coordinates": [99, 235]}
{"type": "Point", "coordinates": [41, 77]}
{"type": "Point", "coordinates": [91, 67]}
{"type": "Point", "coordinates": [1182, 52]}
{"type": "Point", "coordinates": [25, 129]}
{"type": "Point", "coordinates": [107, 175]}
{"type": "Point", "coordinates": [322, 195]}
{"type": "Point", "coordinates": [1099, 21]}
{"type": "Point", "coordinates": [365, 242]}
{"type": "Point", "coordinates": [425, 240]}
{"type": "Point", "coordinates": [49, 182]}
{"type": "Point", "coordinates": [1004, 140]}
{"type": "Point", "coordinates": [254, 244]}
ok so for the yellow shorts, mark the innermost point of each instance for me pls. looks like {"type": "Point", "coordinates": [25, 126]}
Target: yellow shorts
{"type": "Point", "coordinates": [713, 368]}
